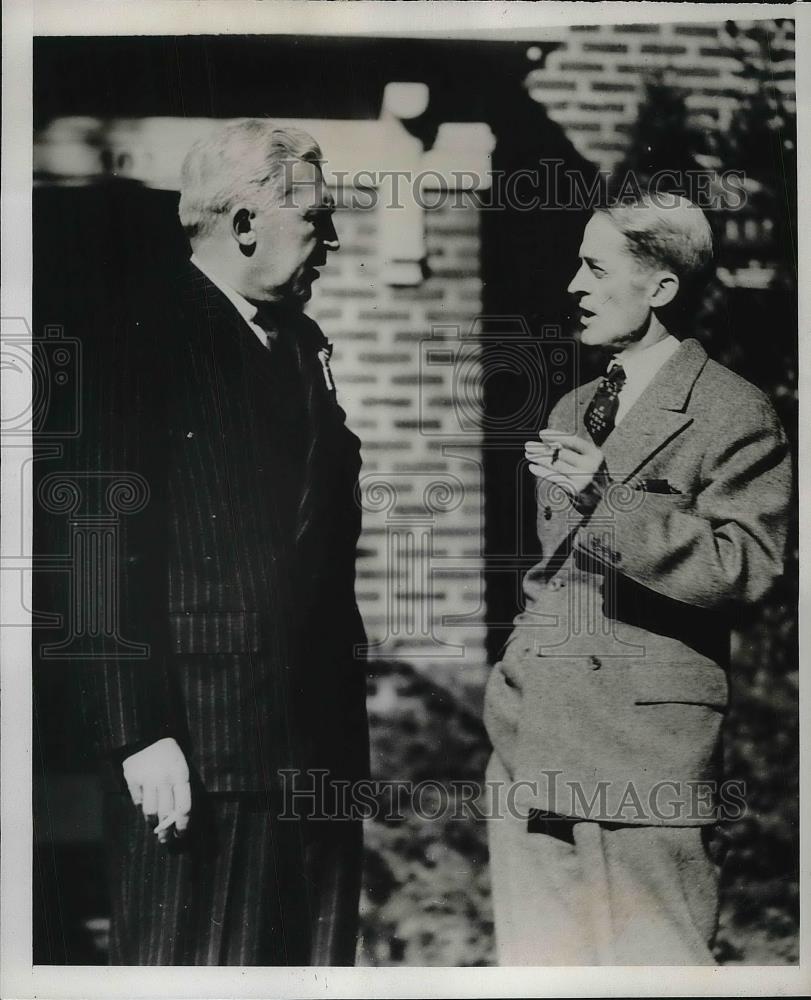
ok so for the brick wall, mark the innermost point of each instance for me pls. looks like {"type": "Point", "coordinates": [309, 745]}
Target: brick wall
{"type": "Point", "coordinates": [593, 83]}
{"type": "Point", "coordinates": [421, 547]}
{"type": "Point", "coordinates": [421, 552]}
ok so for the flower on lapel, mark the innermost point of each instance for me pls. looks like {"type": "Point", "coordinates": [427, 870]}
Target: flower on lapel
{"type": "Point", "coordinates": [323, 356]}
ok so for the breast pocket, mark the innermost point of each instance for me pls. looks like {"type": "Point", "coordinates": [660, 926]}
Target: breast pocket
{"type": "Point", "coordinates": [665, 501]}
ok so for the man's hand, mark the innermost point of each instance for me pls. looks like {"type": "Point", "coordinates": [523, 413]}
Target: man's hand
{"type": "Point", "coordinates": [574, 463]}
{"type": "Point", "coordinates": [158, 780]}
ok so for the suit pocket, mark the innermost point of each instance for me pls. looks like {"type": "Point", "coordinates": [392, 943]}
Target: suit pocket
{"type": "Point", "coordinates": [209, 632]}
{"type": "Point", "coordinates": [679, 683]}
{"type": "Point", "coordinates": [676, 501]}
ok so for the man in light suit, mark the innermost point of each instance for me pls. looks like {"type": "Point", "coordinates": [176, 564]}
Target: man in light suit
{"type": "Point", "coordinates": [663, 491]}
{"type": "Point", "coordinates": [235, 580]}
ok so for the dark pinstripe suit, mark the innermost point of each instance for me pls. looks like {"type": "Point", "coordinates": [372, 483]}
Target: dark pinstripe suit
{"type": "Point", "coordinates": [239, 573]}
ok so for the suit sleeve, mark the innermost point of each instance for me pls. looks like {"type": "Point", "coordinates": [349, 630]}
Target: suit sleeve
{"type": "Point", "coordinates": [730, 546]}
{"type": "Point", "coordinates": [117, 458]}
{"type": "Point", "coordinates": [554, 532]}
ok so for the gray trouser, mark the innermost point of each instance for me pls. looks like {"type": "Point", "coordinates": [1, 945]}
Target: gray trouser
{"type": "Point", "coordinates": [583, 893]}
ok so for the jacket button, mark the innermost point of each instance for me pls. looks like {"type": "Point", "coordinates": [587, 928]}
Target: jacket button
{"type": "Point", "coordinates": [595, 662]}
{"type": "Point", "coordinates": [547, 513]}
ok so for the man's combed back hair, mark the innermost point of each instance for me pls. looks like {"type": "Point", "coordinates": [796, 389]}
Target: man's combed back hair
{"type": "Point", "coordinates": [238, 160]}
{"type": "Point", "coordinates": [669, 232]}
{"type": "Point", "coordinates": [665, 232]}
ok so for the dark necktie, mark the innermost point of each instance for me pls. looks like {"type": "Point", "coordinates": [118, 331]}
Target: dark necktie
{"type": "Point", "coordinates": [601, 412]}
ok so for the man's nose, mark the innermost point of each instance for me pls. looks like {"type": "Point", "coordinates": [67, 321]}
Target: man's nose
{"type": "Point", "coordinates": [576, 284]}
{"type": "Point", "coordinates": [330, 237]}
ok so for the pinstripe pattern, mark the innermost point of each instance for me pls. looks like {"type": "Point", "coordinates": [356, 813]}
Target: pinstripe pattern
{"type": "Point", "coordinates": [229, 632]}
{"type": "Point", "coordinates": [125, 700]}
{"type": "Point", "coordinates": [236, 428]}
{"type": "Point", "coordinates": [231, 896]}
{"type": "Point", "coordinates": [247, 543]}
{"type": "Point", "coordinates": [333, 866]}
{"type": "Point", "coordinates": [252, 527]}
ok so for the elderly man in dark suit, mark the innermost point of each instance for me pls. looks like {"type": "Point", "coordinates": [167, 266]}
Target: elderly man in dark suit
{"type": "Point", "coordinates": [663, 491]}
{"type": "Point", "coordinates": [232, 660]}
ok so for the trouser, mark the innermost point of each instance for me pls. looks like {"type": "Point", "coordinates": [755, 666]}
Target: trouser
{"type": "Point", "coordinates": [568, 892]}
{"type": "Point", "coordinates": [242, 888]}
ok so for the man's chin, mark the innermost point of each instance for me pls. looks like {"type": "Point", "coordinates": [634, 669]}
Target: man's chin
{"type": "Point", "coordinates": [304, 286]}
{"type": "Point", "coordinates": [597, 336]}
{"type": "Point", "coordinates": [592, 336]}
{"type": "Point", "coordinates": [298, 294]}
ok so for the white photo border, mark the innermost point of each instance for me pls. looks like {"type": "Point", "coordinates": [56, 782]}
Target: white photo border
{"type": "Point", "coordinates": [22, 21]}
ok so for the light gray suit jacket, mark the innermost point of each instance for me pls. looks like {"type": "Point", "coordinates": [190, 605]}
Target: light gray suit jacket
{"type": "Point", "coordinates": [610, 694]}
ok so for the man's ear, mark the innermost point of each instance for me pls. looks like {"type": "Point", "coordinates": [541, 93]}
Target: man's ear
{"type": "Point", "coordinates": [242, 228]}
{"type": "Point", "coordinates": [665, 289]}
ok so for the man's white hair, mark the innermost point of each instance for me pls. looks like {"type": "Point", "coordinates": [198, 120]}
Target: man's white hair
{"type": "Point", "coordinates": [240, 159]}
{"type": "Point", "coordinates": [666, 231]}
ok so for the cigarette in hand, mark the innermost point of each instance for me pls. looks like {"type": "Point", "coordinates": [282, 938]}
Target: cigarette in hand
{"type": "Point", "coordinates": [166, 822]}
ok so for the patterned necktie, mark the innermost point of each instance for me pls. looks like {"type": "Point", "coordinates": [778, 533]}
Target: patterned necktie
{"type": "Point", "coordinates": [601, 412]}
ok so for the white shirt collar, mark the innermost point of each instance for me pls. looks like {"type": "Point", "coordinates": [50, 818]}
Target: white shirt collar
{"type": "Point", "coordinates": [641, 366]}
{"type": "Point", "coordinates": [247, 310]}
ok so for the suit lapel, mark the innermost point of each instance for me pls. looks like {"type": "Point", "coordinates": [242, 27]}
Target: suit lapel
{"type": "Point", "coordinates": [305, 339]}
{"type": "Point", "coordinates": [657, 416]}
{"type": "Point", "coordinates": [224, 334]}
